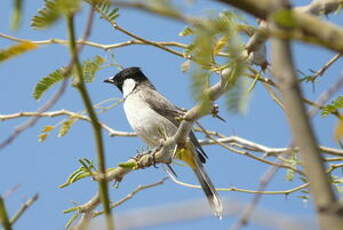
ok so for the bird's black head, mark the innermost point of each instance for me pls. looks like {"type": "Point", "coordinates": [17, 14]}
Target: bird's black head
{"type": "Point", "coordinates": [129, 73]}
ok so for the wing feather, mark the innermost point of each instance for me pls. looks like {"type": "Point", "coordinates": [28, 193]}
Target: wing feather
{"type": "Point", "coordinates": [161, 105]}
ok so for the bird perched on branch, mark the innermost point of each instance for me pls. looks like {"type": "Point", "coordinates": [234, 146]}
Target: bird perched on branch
{"type": "Point", "coordinates": [154, 118]}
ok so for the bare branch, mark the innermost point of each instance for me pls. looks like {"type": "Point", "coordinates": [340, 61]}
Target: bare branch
{"type": "Point", "coordinates": [50, 103]}
{"type": "Point", "coordinates": [234, 189]}
{"type": "Point", "coordinates": [321, 71]}
{"type": "Point", "coordinates": [87, 209]}
{"type": "Point", "coordinates": [133, 193]}
{"type": "Point", "coordinates": [326, 95]}
{"type": "Point", "coordinates": [324, 33]}
{"type": "Point", "coordinates": [63, 112]}
{"type": "Point", "coordinates": [23, 208]}
{"type": "Point", "coordinates": [319, 7]}
{"type": "Point", "coordinates": [249, 210]}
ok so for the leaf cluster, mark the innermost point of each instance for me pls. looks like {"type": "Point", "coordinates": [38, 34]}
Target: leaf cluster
{"type": "Point", "coordinates": [52, 11]}
{"type": "Point", "coordinates": [16, 50]}
{"type": "Point", "coordinates": [90, 67]}
{"type": "Point", "coordinates": [105, 9]}
{"type": "Point", "coordinates": [211, 38]}
{"type": "Point", "coordinates": [333, 107]}
{"type": "Point", "coordinates": [84, 171]}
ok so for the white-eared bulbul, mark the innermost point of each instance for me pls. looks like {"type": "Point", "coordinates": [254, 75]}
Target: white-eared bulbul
{"type": "Point", "coordinates": [153, 118]}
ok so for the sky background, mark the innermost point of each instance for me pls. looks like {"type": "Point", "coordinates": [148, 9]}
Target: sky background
{"type": "Point", "coordinates": [41, 167]}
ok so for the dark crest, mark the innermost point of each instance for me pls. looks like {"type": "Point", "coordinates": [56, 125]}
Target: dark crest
{"type": "Point", "coordinates": [132, 72]}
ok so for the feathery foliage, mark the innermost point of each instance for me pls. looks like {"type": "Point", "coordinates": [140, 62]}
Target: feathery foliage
{"type": "Point", "coordinates": [105, 9]}
{"type": "Point", "coordinates": [91, 66]}
{"type": "Point", "coordinates": [80, 173]}
{"type": "Point", "coordinates": [17, 14]}
{"type": "Point", "coordinates": [45, 132]}
{"type": "Point", "coordinates": [47, 82]}
{"type": "Point", "coordinates": [52, 11]}
{"type": "Point", "coordinates": [66, 125]}
{"type": "Point", "coordinates": [46, 16]}
{"type": "Point", "coordinates": [212, 37]}
{"type": "Point", "coordinates": [333, 106]}
{"type": "Point", "coordinates": [238, 96]}
{"type": "Point", "coordinates": [16, 50]}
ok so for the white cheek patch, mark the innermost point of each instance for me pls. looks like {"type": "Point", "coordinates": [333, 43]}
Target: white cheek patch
{"type": "Point", "coordinates": [128, 86]}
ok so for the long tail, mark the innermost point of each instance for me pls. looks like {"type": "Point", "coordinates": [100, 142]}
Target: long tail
{"type": "Point", "coordinates": [209, 190]}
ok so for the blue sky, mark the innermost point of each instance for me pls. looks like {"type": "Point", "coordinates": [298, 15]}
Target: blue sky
{"type": "Point", "coordinates": [41, 167]}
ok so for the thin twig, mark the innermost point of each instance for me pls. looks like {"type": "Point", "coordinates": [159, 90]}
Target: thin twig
{"type": "Point", "coordinates": [121, 29]}
{"type": "Point", "coordinates": [63, 112]}
{"type": "Point", "coordinates": [248, 211]}
{"type": "Point", "coordinates": [23, 208]}
{"type": "Point", "coordinates": [245, 153]}
{"type": "Point", "coordinates": [50, 103]}
{"type": "Point", "coordinates": [132, 194]}
{"type": "Point", "coordinates": [244, 143]}
{"type": "Point", "coordinates": [87, 209]}
{"type": "Point", "coordinates": [326, 95]}
{"type": "Point", "coordinates": [234, 189]}
{"type": "Point", "coordinates": [322, 70]}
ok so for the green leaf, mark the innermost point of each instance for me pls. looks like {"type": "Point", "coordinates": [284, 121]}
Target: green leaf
{"type": "Point", "coordinates": [47, 128]}
{"type": "Point", "coordinates": [237, 97]}
{"type": "Point", "coordinates": [47, 82]}
{"type": "Point", "coordinates": [91, 66]}
{"type": "Point", "coordinates": [46, 16]}
{"type": "Point", "coordinates": [80, 173]}
{"type": "Point", "coordinates": [52, 11]}
{"type": "Point", "coordinates": [292, 161]}
{"type": "Point", "coordinates": [71, 220]}
{"type": "Point", "coordinates": [220, 44]}
{"type": "Point", "coordinates": [186, 32]}
{"type": "Point", "coordinates": [200, 82]}
{"type": "Point", "coordinates": [42, 137]}
{"type": "Point", "coordinates": [66, 125]}
{"type": "Point", "coordinates": [333, 106]}
{"type": "Point", "coordinates": [339, 9]}
{"type": "Point", "coordinates": [17, 14]}
{"type": "Point", "coordinates": [338, 134]}
{"type": "Point", "coordinates": [16, 50]}
{"type": "Point", "coordinates": [68, 7]}
{"type": "Point", "coordinates": [105, 9]}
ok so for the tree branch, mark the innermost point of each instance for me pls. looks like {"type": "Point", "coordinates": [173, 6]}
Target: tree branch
{"type": "Point", "coordinates": [324, 33]}
{"type": "Point", "coordinates": [23, 208]}
{"type": "Point", "coordinates": [283, 69]}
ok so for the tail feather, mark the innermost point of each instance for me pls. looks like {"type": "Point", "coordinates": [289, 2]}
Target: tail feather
{"type": "Point", "coordinates": [206, 184]}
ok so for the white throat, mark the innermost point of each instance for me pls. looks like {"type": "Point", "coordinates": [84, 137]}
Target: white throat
{"type": "Point", "coordinates": [128, 86]}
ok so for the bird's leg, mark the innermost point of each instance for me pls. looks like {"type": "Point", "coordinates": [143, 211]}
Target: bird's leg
{"type": "Point", "coordinates": [154, 155]}
{"type": "Point", "coordinates": [215, 112]}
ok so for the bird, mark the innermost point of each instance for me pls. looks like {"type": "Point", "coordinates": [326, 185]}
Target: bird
{"type": "Point", "coordinates": [153, 117]}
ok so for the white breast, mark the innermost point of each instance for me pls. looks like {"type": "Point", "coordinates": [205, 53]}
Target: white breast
{"type": "Point", "coordinates": [148, 124]}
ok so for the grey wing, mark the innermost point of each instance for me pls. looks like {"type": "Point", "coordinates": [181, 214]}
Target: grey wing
{"type": "Point", "coordinates": [161, 105]}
